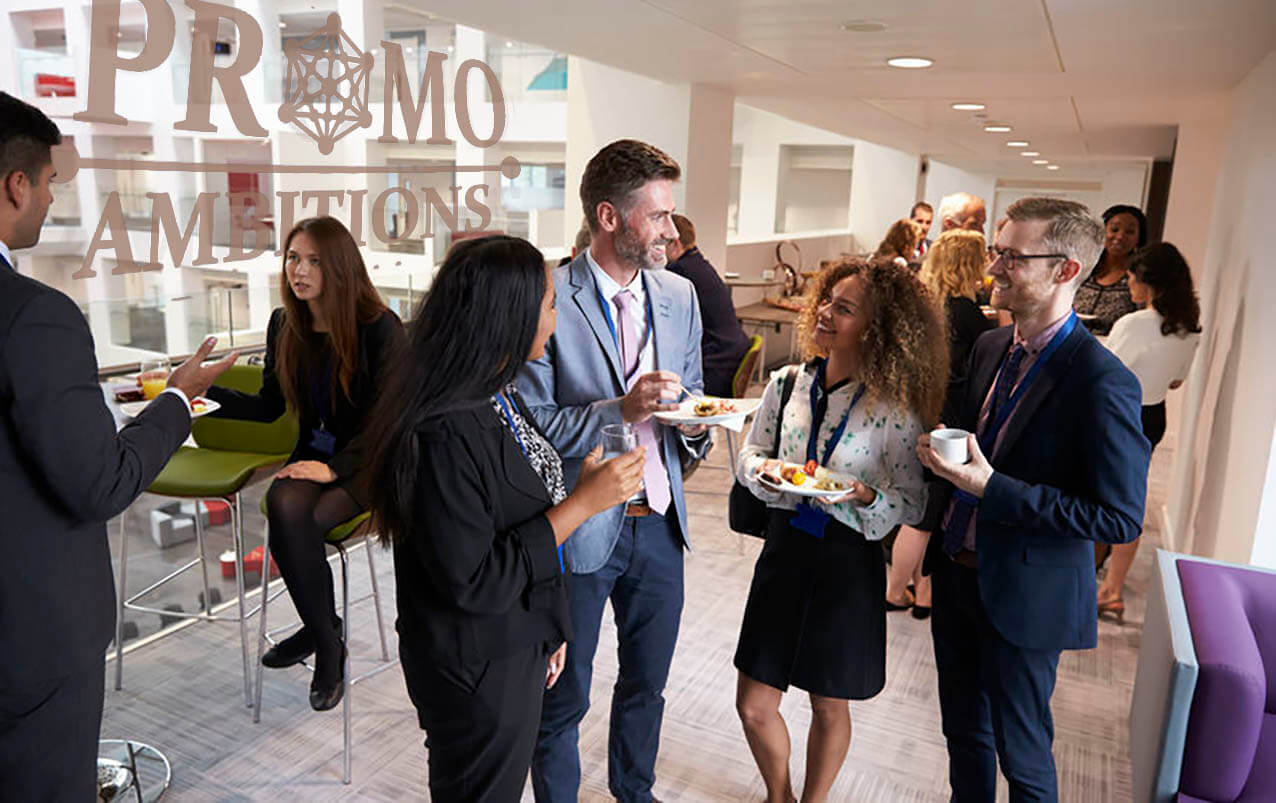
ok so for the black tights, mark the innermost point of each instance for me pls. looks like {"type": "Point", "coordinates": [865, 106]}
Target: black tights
{"type": "Point", "coordinates": [301, 513]}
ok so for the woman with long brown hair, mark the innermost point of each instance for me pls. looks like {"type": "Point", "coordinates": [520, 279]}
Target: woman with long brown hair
{"type": "Point", "coordinates": [1158, 344]}
{"type": "Point", "coordinates": [953, 271]}
{"type": "Point", "coordinates": [327, 349]}
{"type": "Point", "coordinates": [816, 615]}
{"type": "Point", "coordinates": [900, 243]}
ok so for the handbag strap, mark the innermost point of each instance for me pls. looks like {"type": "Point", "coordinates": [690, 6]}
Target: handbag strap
{"type": "Point", "coordinates": [786, 390]}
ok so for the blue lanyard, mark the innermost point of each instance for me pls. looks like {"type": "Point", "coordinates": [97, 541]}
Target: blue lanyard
{"type": "Point", "coordinates": [509, 417]}
{"type": "Point", "coordinates": [817, 420]}
{"type": "Point", "coordinates": [1002, 415]}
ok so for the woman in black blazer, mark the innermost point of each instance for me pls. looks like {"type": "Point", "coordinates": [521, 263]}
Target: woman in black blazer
{"type": "Point", "coordinates": [326, 352]}
{"type": "Point", "coordinates": [471, 494]}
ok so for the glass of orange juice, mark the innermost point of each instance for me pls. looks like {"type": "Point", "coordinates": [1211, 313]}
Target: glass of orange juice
{"type": "Point", "coordinates": [154, 377]}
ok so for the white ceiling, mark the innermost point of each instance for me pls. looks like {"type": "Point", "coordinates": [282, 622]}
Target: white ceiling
{"type": "Point", "coordinates": [1087, 82]}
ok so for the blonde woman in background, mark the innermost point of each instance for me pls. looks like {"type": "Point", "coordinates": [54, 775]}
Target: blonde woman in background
{"type": "Point", "coordinates": [953, 270]}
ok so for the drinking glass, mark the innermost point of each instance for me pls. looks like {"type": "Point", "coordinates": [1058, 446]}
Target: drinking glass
{"type": "Point", "coordinates": [618, 439]}
{"type": "Point", "coordinates": [154, 376]}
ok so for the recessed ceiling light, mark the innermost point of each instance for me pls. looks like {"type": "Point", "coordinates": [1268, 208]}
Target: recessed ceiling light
{"type": "Point", "coordinates": [1017, 143]}
{"type": "Point", "coordinates": [1052, 167]}
{"type": "Point", "coordinates": [863, 26]}
{"type": "Point", "coordinates": [910, 62]}
{"type": "Point", "coordinates": [1041, 161]}
{"type": "Point", "coordinates": [509, 44]}
{"type": "Point", "coordinates": [997, 128]}
{"type": "Point", "coordinates": [283, 24]}
{"type": "Point", "coordinates": [1030, 153]}
{"type": "Point", "coordinates": [969, 107]}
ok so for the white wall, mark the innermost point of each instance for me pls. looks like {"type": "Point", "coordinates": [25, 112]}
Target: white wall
{"type": "Point", "coordinates": [1225, 462]}
{"type": "Point", "coordinates": [883, 188]}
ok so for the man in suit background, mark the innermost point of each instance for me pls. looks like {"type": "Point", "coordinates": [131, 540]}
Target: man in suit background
{"type": "Point", "coordinates": [628, 337]}
{"type": "Point", "coordinates": [923, 215]}
{"type": "Point", "coordinates": [63, 472]}
{"type": "Point", "coordinates": [724, 343]}
{"type": "Point", "coordinates": [1058, 417]}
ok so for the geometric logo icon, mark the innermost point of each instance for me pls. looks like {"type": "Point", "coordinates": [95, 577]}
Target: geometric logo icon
{"type": "Point", "coordinates": [327, 89]}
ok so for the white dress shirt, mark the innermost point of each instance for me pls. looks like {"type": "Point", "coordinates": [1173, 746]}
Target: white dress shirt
{"type": "Point", "coordinates": [609, 287]}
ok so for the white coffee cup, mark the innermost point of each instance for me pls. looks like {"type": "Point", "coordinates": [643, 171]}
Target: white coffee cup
{"type": "Point", "coordinates": [950, 444]}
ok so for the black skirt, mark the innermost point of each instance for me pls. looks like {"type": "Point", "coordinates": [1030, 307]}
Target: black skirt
{"type": "Point", "coordinates": [1154, 422]}
{"type": "Point", "coordinates": [816, 613]}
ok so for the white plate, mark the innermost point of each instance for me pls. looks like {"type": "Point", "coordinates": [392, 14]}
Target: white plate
{"type": "Point", "coordinates": [134, 409]}
{"type": "Point", "coordinates": [807, 488]}
{"type": "Point", "coordinates": [685, 414]}
{"type": "Point", "coordinates": [1086, 317]}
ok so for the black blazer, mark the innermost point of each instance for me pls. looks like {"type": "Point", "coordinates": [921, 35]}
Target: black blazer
{"type": "Point", "coordinates": [723, 342]}
{"type": "Point", "coordinates": [64, 470]}
{"type": "Point", "coordinates": [478, 576]}
{"type": "Point", "coordinates": [378, 342]}
{"type": "Point", "coordinates": [966, 322]}
{"type": "Point", "coordinates": [1071, 470]}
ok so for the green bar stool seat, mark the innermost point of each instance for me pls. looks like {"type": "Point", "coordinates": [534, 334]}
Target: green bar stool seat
{"type": "Point", "coordinates": [340, 538]}
{"type": "Point", "coordinates": [229, 455]}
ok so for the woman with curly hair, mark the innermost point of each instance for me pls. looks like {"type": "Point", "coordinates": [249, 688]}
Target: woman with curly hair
{"type": "Point", "coordinates": [1157, 344]}
{"type": "Point", "coordinates": [815, 616]}
{"type": "Point", "coordinates": [953, 271]}
{"type": "Point", "coordinates": [900, 243]}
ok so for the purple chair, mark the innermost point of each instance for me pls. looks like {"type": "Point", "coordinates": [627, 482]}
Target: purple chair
{"type": "Point", "coordinates": [1230, 752]}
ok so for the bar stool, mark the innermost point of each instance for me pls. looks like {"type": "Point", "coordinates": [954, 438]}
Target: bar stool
{"type": "Point", "coordinates": [338, 538]}
{"type": "Point", "coordinates": [228, 456]}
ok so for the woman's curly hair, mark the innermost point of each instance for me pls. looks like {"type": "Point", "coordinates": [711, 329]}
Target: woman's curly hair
{"type": "Point", "coordinates": [905, 351]}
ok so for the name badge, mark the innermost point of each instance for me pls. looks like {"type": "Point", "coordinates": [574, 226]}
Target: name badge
{"type": "Point", "coordinates": [323, 441]}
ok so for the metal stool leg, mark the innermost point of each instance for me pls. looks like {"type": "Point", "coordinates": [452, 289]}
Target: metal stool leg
{"type": "Point", "coordinates": [237, 534]}
{"type": "Point", "coordinates": [345, 639]}
{"type": "Point", "coordinates": [120, 593]}
{"type": "Point", "coordinates": [261, 623]}
{"type": "Point", "coordinates": [203, 558]}
{"type": "Point", "coordinates": [369, 546]}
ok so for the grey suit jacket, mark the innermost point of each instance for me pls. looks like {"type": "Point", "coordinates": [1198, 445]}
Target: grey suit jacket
{"type": "Point", "coordinates": [576, 389]}
{"type": "Point", "coordinates": [64, 471]}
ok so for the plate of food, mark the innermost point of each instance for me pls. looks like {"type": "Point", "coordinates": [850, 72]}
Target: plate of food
{"type": "Point", "coordinates": [200, 406]}
{"type": "Point", "coordinates": [709, 410]}
{"type": "Point", "coordinates": [794, 479]}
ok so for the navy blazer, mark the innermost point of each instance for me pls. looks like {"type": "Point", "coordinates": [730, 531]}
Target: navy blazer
{"type": "Point", "coordinates": [1071, 470]}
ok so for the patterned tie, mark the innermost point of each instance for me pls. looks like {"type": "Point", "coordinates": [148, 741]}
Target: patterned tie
{"type": "Point", "coordinates": [654, 478]}
{"type": "Point", "coordinates": [964, 506]}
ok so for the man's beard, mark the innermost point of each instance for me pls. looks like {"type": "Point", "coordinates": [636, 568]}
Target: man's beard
{"type": "Point", "coordinates": [633, 251]}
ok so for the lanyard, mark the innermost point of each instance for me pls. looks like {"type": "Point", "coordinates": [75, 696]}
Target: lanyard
{"type": "Point", "coordinates": [611, 324]}
{"type": "Point", "coordinates": [817, 418]}
{"type": "Point", "coordinates": [1000, 416]}
{"type": "Point", "coordinates": [321, 390]}
{"type": "Point", "coordinates": [509, 417]}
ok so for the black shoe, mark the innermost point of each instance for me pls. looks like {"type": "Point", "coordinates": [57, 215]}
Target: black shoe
{"type": "Point", "coordinates": [921, 612]}
{"type": "Point", "coordinates": [328, 686]}
{"type": "Point", "coordinates": [292, 650]}
{"type": "Point", "coordinates": [890, 606]}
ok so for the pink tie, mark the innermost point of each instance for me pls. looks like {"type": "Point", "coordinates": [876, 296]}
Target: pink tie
{"type": "Point", "coordinates": [654, 478]}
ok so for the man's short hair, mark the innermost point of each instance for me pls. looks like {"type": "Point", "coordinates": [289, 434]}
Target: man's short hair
{"type": "Point", "coordinates": [1071, 230]}
{"type": "Point", "coordinates": [619, 170]}
{"type": "Point", "coordinates": [686, 230]}
{"type": "Point", "coordinates": [583, 237]}
{"type": "Point", "coordinates": [920, 205]}
{"type": "Point", "coordinates": [26, 137]}
{"type": "Point", "coordinates": [953, 205]}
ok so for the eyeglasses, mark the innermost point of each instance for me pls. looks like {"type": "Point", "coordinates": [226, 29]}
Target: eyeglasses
{"type": "Point", "coordinates": [1016, 260]}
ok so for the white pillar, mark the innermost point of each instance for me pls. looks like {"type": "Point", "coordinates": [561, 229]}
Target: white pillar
{"type": "Point", "coordinates": [1198, 158]}
{"type": "Point", "coordinates": [707, 169]}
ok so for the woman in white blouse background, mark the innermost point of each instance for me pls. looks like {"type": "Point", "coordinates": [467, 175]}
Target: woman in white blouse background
{"type": "Point", "coordinates": [815, 616]}
{"type": "Point", "coordinates": [1157, 343]}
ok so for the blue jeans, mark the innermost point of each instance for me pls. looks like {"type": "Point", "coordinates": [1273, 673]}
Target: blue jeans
{"type": "Point", "coordinates": [643, 580]}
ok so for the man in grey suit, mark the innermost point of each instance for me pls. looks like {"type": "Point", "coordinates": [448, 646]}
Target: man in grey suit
{"type": "Point", "coordinates": [63, 472]}
{"type": "Point", "coordinates": [627, 343]}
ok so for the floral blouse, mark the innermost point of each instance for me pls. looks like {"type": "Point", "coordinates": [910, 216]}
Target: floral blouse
{"type": "Point", "coordinates": [1106, 302]}
{"type": "Point", "coordinates": [877, 448]}
{"type": "Point", "coordinates": [539, 452]}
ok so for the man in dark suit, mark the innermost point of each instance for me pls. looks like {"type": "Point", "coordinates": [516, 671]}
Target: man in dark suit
{"type": "Point", "coordinates": [923, 215]}
{"type": "Point", "coordinates": [63, 472]}
{"type": "Point", "coordinates": [1058, 417]}
{"type": "Point", "coordinates": [724, 343]}
{"type": "Point", "coordinates": [627, 341]}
